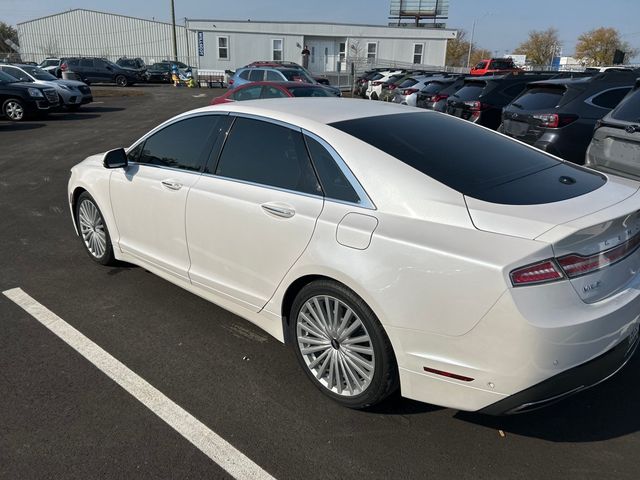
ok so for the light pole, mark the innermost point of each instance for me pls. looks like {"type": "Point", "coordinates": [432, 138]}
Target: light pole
{"type": "Point", "coordinates": [473, 32]}
{"type": "Point", "coordinates": [175, 40]}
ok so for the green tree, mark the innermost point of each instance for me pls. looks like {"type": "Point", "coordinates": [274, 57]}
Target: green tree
{"type": "Point", "coordinates": [597, 47]}
{"type": "Point", "coordinates": [7, 32]}
{"type": "Point", "coordinates": [540, 47]}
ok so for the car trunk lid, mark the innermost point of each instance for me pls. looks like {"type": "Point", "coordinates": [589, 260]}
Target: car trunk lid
{"type": "Point", "coordinates": [595, 236]}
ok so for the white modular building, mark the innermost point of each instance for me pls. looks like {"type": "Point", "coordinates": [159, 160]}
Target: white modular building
{"type": "Point", "coordinates": [225, 44]}
{"type": "Point", "coordinates": [229, 44]}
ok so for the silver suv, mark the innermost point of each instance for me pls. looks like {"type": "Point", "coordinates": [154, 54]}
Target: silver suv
{"type": "Point", "coordinates": [72, 93]}
{"type": "Point", "coordinates": [615, 147]}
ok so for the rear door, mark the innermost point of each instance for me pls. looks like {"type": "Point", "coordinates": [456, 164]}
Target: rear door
{"type": "Point", "coordinates": [252, 215]}
{"type": "Point", "coordinates": [522, 118]}
{"type": "Point", "coordinates": [460, 103]}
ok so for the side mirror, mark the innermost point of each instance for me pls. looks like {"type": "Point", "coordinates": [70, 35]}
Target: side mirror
{"type": "Point", "coordinates": [115, 158]}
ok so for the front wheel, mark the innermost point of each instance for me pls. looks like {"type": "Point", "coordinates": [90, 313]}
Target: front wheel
{"type": "Point", "coordinates": [93, 230]}
{"type": "Point", "coordinates": [121, 81]}
{"type": "Point", "coordinates": [13, 110]}
{"type": "Point", "coordinates": [341, 345]}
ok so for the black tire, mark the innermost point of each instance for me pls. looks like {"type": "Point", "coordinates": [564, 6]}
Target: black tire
{"type": "Point", "coordinates": [107, 257]}
{"type": "Point", "coordinates": [121, 81]}
{"type": "Point", "coordinates": [384, 380]}
{"type": "Point", "coordinates": [13, 109]}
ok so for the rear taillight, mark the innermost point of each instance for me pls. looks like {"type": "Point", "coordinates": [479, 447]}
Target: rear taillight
{"type": "Point", "coordinates": [409, 91]}
{"type": "Point", "coordinates": [578, 265]}
{"type": "Point", "coordinates": [554, 120]}
{"type": "Point", "coordinates": [392, 86]}
{"type": "Point", "coordinates": [476, 106]}
{"type": "Point", "coordinates": [572, 265]}
{"type": "Point", "coordinates": [64, 66]}
{"type": "Point", "coordinates": [545, 271]}
{"type": "Point", "coordinates": [231, 81]}
{"type": "Point", "coordinates": [438, 97]}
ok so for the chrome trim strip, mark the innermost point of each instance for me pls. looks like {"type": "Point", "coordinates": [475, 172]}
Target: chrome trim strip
{"type": "Point", "coordinates": [268, 187]}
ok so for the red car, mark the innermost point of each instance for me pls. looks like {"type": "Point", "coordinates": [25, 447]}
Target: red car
{"type": "Point", "coordinates": [492, 66]}
{"type": "Point", "coordinates": [256, 90]}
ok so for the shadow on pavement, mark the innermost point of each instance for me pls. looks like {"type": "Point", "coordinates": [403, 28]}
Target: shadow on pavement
{"type": "Point", "coordinates": [608, 410]}
{"type": "Point", "coordinates": [99, 109]}
{"type": "Point", "coordinates": [71, 116]}
{"type": "Point", "coordinates": [14, 127]}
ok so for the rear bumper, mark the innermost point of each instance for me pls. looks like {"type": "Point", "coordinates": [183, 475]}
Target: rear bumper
{"type": "Point", "coordinates": [568, 382]}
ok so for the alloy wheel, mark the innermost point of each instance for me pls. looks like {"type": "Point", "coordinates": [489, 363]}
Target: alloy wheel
{"type": "Point", "coordinates": [92, 229]}
{"type": "Point", "coordinates": [14, 110]}
{"type": "Point", "coordinates": [335, 345]}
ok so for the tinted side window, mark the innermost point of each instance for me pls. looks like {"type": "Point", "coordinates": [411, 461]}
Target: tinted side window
{"type": "Point", "coordinates": [14, 72]}
{"type": "Point", "coordinates": [272, 92]}
{"type": "Point", "coordinates": [182, 144]}
{"type": "Point", "coordinates": [256, 75]}
{"type": "Point", "coordinates": [268, 154]}
{"type": "Point", "coordinates": [249, 93]}
{"type": "Point", "coordinates": [610, 98]}
{"type": "Point", "coordinates": [73, 62]}
{"type": "Point", "coordinates": [87, 63]}
{"type": "Point", "coordinates": [334, 183]}
{"type": "Point", "coordinates": [629, 109]}
{"type": "Point", "coordinates": [134, 154]}
{"type": "Point", "coordinates": [273, 76]}
{"type": "Point", "coordinates": [470, 91]}
{"type": "Point", "coordinates": [245, 74]}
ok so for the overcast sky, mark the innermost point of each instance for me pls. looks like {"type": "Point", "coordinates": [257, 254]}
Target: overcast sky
{"type": "Point", "coordinates": [501, 26]}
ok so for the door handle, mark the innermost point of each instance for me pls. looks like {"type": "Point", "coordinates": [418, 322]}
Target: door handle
{"type": "Point", "coordinates": [172, 184]}
{"type": "Point", "coordinates": [278, 210]}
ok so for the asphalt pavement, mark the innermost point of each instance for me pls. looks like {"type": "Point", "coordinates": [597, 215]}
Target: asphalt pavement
{"type": "Point", "coordinates": [61, 417]}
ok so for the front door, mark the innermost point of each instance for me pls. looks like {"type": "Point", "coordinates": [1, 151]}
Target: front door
{"type": "Point", "coordinates": [250, 217]}
{"type": "Point", "coordinates": [324, 56]}
{"type": "Point", "coordinates": [148, 197]}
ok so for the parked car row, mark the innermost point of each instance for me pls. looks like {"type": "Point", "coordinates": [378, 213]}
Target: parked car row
{"type": "Point", "coordinates": [266, 71]}
{"type": "Point", "coordinates": [27, 91]}
{"type": "Point", "coordinates": [124, 72]}
{"type": "Point", "coordinates": [553, 111]}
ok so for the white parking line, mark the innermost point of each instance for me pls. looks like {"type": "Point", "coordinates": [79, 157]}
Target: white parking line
{"type": "Point", "coordinates": [204, 439]}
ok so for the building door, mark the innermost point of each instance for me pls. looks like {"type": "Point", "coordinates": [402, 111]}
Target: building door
{"type": "Point", "coordinates": [324, 55]}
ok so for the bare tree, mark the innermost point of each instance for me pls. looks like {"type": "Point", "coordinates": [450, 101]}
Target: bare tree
{"type": "Point", "coordinates": [597, 47]}
{"type": "Point", "coordinates": [540, 47]}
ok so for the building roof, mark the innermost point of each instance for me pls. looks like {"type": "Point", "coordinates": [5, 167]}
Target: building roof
{"type": "Point", "coordinates": [98, 12]}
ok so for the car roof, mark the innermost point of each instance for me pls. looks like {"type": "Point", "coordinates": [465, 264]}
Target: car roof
{"type": "Point", "coordinates": [281, 84]}
{"type": "Point", "coordinates": [309, 111]}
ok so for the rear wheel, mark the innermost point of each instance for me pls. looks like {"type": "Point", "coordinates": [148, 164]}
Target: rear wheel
{"type": "Point", "coordinates": [13, 110]}
{"type": "Point", "coordinates": [121, 81]}
{"type": "Point", "coordinates": [341, 345]}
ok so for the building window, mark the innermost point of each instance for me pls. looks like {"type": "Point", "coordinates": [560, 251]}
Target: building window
{"type": "Point", "coordinates": [418, 49]}
{"type": "Point", "coordinates": [277, 49]}
{"type": "Point", "coordinates": [223, 48]}
{"type": "Point", "coordinates": [372, 51]}
{"type": "Point", "coordinates": [343, 51]}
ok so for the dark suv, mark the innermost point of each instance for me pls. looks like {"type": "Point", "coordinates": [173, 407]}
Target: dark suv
{"type": "Point", "coordinates": [559, 115]}
{"type": "Point", "coordinates": [438, 90]}
{"type": "Point", "coordinates": [100, 70]}
{"type": "Point", "coordinates": [19, 100]}
{"type": "Point", "coordinates": [481, 99]}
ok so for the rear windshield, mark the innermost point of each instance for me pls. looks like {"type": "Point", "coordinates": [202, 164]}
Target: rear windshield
{"type": "Point", "coordinates": [539, 98]}
{"type": "Point", "coordinates": [409, 82]}
{"type": "Point", "coordinates": [482, 166]}
{"type": "Point", "coordinates": [499, 64]}
{"type": "Point", "coordinates": [629, 109]}
{"type": "Point", "coordinates": [433, 87]}
{"type": "Point", "coordinates": [470, 91]}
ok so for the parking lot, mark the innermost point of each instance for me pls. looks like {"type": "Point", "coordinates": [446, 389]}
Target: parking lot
{"type": "Point", "coordinates": [64, 418]}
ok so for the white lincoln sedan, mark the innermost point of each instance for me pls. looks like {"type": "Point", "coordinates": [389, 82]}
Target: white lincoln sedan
{"type": "Point", "coordinates": [391, 247]}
